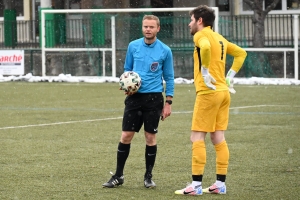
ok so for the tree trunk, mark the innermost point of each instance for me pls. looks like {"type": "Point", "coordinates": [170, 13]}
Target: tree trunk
{"type": "Point", "coordinates": [259, 30]}
{"type": "Point", "coordinates": [258, 20]}
{"type": "Point", "coordinates": [257, 62]}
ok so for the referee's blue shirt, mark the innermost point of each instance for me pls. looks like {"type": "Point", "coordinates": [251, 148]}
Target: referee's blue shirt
{"type": "Point", "coordinates": [154, 63]}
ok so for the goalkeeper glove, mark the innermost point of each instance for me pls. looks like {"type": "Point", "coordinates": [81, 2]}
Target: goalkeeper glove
{"type": "Point", "coordinates": [229, 81]}
{"type": "Point", "coordinates": [208, 79]}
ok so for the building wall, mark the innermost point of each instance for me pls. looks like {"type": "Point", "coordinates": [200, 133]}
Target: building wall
{"type": "Point", "coordinates": [141, 3]}
{"type": "Point", "coordinates": [184, 3]}
{"type": "Point", "coordinates": [27, 9]}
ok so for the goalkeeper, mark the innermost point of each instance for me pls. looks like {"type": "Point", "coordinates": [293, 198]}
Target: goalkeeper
{"type": "Point", "coordinates": [211, 108]}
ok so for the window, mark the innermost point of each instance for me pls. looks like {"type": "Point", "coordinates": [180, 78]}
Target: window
{"type": "Point", "coordinates": [293, 4]}
{"type": "Point", "coordinates": [246, 7]}
{"type": "Point", "coordinates": [18, 7]}
{"type": "Point", "coordinates": [1, 8]}
{"type": "Point", "coordinates": [75, 4]}
{"type": "Point", "coordinates": [223, 5]}
{"type": "Point", "coordinates": [265, 3]}
{"type": "Point", "coordinates": [277, 7]}
{"type": "Point", "coordinates": [283, 6]}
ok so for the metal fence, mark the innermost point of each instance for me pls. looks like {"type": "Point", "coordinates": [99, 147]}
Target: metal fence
{"type": "Point", "coordinates": [23, 35]}
{"type": "Point", "coordinates": [94, 31]}
{"type": "Point", "coordinates": [239, 29]}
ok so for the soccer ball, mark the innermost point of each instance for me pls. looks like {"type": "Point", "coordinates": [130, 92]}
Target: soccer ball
{"type": "Point", "coordinates": [130, 82]}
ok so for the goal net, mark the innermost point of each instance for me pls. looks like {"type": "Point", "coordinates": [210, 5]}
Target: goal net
{"type": "Point", "coordinates": [93, 42]}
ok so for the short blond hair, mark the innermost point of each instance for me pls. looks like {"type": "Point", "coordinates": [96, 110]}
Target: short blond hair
{"type": "Point", "coordinates": [152, 17]}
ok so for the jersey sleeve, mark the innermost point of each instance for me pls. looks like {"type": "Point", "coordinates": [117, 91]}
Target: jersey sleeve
{"type": "Point", "coordinates": [205, 51]}
{"type": "Point", "coordinates": [128, 65]}
{"type": "Point", "coordinates": [239, 55]}
{"type": "Point", "coordinates": [168, 74]}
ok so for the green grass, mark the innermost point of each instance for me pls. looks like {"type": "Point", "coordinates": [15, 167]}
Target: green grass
{"type": "Point", "coordinates": [59, 141]}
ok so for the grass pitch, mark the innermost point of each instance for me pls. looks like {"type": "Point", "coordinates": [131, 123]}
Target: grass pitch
{"type": "Point", "coordinates": [59, 141]}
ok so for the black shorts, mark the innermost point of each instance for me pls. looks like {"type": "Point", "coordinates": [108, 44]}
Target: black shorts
{"type": "Point", "coordinates": [142, 108]}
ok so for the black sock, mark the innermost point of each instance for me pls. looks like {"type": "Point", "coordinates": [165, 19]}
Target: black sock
{"type": "Point", "coordinates": [150, 155]}
{"type": "Point", "coordinates": [122, 155]}
{"type": "Point", "coordinates": [221, 177]}
{"type": "Point", "coordinates": [197, 178]}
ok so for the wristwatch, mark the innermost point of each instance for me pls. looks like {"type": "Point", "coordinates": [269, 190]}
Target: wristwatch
{"type": "Point", "coordinates": [169, 102]}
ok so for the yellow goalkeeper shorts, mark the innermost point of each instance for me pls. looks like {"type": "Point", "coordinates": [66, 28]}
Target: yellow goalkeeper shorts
{"type": "Point", "coordinates": [211, 112]}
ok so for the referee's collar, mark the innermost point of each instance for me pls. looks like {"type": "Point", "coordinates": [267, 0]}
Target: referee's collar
{"type": "Point", "coordinates": [149, 45]}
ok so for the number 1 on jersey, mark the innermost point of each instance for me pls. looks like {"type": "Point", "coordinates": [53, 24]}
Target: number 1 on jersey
{"type": "Point", "coordinates": [222, 49]}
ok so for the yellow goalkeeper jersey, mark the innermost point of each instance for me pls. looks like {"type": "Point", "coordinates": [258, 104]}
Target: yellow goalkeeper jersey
{"type": "Point", "coordinates": [210, 52]}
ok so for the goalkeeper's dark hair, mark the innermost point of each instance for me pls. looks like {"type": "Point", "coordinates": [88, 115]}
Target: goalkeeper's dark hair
{"type": "Point", "coordinates": [206, 13]}
{"type": "Point", "coordinates": [152, 17]}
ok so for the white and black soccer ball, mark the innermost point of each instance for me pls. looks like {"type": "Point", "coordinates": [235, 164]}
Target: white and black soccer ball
{"type": "Point", "coordinates": [130, 82]}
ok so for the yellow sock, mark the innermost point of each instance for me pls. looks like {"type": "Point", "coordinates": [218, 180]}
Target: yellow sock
{"type": "Point", "coordinates": [222, 153]}
{"type": "Point", "coordinates": [198, 157]}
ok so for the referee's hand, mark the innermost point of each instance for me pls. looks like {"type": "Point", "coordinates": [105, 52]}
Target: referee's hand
{"type": "Point", "coordinates": [166, 112]}
{"type": "Point", "coordinates": [127, 92]}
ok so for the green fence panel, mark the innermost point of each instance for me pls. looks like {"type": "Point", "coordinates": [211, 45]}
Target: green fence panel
{"type": "Point", "coordinates": [98, 29]}
{"type": "Point", "coordinates": [49, 28]}
{"type": "Point", "coordinates": [60, 29]}
{"type": "Point", "coordinates": [10, 28]}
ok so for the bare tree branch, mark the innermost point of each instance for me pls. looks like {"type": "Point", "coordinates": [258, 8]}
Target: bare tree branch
{"type": "Point", "coordinates": [250, 4]}
{"type": "Point", "coordinates": [258, 18]}
{"type": "Point", "coordinates": [271, 6]}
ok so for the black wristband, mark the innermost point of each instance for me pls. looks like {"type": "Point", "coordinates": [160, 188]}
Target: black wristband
{"type": "Point", "coordinates": [169, 102]}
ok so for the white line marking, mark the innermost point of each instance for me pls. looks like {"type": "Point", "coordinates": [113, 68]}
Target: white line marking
{"type": "Point", "coordinates": [180, 112]}
{"type": "Point", "coordinates": [58, 123]}
{"type": "Point", "coordinates": [105, 119]}
{"type": "Point", "coordinates": [263, 106]}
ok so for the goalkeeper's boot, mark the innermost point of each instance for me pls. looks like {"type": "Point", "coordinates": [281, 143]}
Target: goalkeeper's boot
{"type": "Point", "coordinates": [190, 190]}
{"type": "Point", "coordinates": [214, 189]}
{"type": "Point", "coordinates": [148, 183]}
{"type": "Point", "coordinates": [114, 181]}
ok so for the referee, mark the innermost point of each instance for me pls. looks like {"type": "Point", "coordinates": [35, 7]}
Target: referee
{"type": "Point", "coordinates": [153, 61]}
